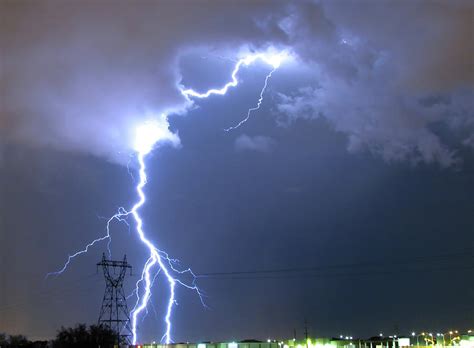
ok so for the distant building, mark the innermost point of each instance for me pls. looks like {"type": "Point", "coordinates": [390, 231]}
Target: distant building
{"type": "Point", "coordinates": [464, 341]}
{"type": "Point", "coordinates": [243, 344]}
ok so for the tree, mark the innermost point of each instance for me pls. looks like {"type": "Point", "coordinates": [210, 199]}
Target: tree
{"type": "Point", "coordinates": [18, 341]}
{"type": "Point", "coordinates": [3, 340]}
{"type": "Point", "coordinates": [81, 336]}
{"type": "Point", "coordinates": [13, 341]}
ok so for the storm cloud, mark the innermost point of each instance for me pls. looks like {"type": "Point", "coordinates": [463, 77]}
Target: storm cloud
{"type": "Point", "coordinates": [385, 84]}
{"type": "Point", "coordinates": [303, 183]}
{"type": "Point", "coordinates": [80, 76]}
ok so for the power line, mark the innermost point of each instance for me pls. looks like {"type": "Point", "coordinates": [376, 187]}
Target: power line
{"type": "Point", "coordinates": [337, 275]}
{"type": "Point", "coordinates": [428, 262]}
{"type": "Point", "coordinates": [73, 286]}
{"type": "Point", "coordinates": [403, 262]}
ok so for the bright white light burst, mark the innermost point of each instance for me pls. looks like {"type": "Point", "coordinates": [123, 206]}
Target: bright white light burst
{"type": "Point", "coordinates": [151, 133]}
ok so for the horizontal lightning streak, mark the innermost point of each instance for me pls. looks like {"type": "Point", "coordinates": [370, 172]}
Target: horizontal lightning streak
{"type": "Point", "coordinates": [272, 60]}
{"type": "Point", "coordinates": [222, 91]}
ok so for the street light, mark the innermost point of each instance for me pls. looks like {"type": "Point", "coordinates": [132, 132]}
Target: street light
{"type": "Point", "coordinates": [450, 337]}
{"type": "Point", "coordinates": [442, 336]}
{"type": "Point", "coordinates": [418, 336]}
{"type": "Point", "coordinates": [424, 338]}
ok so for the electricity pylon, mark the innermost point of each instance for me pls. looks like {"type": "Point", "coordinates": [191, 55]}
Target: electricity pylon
{"type": "Point", "coordinates": [114, 311]}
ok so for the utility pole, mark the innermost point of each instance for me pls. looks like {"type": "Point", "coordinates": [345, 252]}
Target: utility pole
{"type": "Point", "coordinates": [114, 311]}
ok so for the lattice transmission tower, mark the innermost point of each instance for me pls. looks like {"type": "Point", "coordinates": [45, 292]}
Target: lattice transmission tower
{"type": "Point", "coordinates": [114, 311]}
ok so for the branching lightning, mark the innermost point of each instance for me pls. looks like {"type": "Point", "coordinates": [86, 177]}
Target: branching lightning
{"type": "Point", "coordinates": [148, 135]}
{"type": "Point", "coordinates": [274, 60]}
{"type": "Point", "coordinates": [255, 108]}
{"type": "Point", "coordinates": [119, 216]}
{"type": "Point", "coordinates": [157, 258]}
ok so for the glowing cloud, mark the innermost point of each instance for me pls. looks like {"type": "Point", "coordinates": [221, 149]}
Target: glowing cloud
{"type": "Point", "coordinates": [152, 132]}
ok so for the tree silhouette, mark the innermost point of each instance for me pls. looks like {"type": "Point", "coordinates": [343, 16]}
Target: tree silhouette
{"type": "Point", "coordinates": [14, 341]}
{"type": "Point", "coordinates": [81, 336]}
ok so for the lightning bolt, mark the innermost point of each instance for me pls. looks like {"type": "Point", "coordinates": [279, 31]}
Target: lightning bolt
{"type": "Point", "coordinates": [119, 216]}
{"type": "Point", "coordinates": [255, 108]}
{"type": "Point", "coordinates": [148, 135]}
{"type": "Point", "coordinates": [158, 258]}
{"type": "Point", "coordinates": [274, 60]}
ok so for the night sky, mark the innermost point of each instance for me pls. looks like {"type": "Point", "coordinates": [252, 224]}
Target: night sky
{"type": "Point", "coordinates": [359, 164]}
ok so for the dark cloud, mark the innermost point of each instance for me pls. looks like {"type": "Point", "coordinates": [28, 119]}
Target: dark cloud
{"type": "Point", "coordinates": [373, 78]}
{"type": "Point", "coordinates": [392, 79]}
{"type": "Point", "coordinates": [81, 75]}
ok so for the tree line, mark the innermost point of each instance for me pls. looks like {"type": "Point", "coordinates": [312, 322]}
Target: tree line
{"type": "Point", "coordinates": [81, 335]}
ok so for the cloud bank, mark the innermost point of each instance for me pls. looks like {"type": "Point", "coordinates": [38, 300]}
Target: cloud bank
{"type": "Point", "coordinates": [396, 77]}
{"type": "Point", "coordinates": [387, 85]}
{"type": "Point", "coordinates": [80, 76]}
